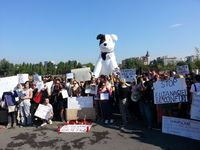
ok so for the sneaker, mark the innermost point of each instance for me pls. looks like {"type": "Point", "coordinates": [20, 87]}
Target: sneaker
{"type": "Point", "coordinates": [43, 124]}
{"type": "Point", "coordinates": [123, 129]}
{"type": "Point", "coordinates": [106, 122]}
{"type": "Point", "coordinates": [8, 126]}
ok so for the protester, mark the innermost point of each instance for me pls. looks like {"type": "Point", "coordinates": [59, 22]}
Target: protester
{"type": "Point", "coordinates": [50, 115]}
{"type": "Point", "coordinates": [25, 105]}
{"type": "Point", "coordinates": [124, 92]}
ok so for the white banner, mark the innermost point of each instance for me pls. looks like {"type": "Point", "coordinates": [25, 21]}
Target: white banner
{"type": "Point", "coordinates": [182, 127]}
{"type": "Point", "coordinates": [8, 84]}
{"type": "Point", "coordinates": [70, 75]}
{"type": "Point", "coordinates": [80, 102]}
{"type": "Point", "coordinates": [75, 128]}
{"type": "Point", "coordinates": [23, 78]}
{"type": "Point", "coordinates": [128, 74]}
{"type": "Point", "coordinates": [170, 91]}
{"type": "Point", "coordinates": [182, 69]}
{"type": "Point", "coordinates": [82, 74]}
{"type": "Point", "coordinates": [195, 107]}
{"type": "Point", "coordinates": [43, 112]}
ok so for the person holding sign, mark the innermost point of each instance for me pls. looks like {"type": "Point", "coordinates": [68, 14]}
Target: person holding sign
{"type": "Point", "coordinates": [105, 91]}
{"type": "Point", "coordinates": [50, 114]}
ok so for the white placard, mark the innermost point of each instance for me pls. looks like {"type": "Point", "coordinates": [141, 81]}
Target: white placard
{"type": "Point", "coordinates": [49, 85]}
{"type": "Point", "coordinates": [182, 69]}
{"type": "Point", "coordinates": [40, 85]}
{"type": "Point", "coordinates": [64, 93]}
{"type": "Point", "coordinates": [8, 84]}
{"type": "Point", "coordinates": [80, 102]}
{"type": "Point", "coordinates": [75, 128]}
{"type": "Point", "coordinates": [182, 127]}
{"type": "Point", "coordinates": [37, 78]}
{"type": "Point", "coordinates": [128, 74]}
{"type": "Point", "coordinates": [195, 107]}
{"type": "Point", "coordinates": [82, 74]}
{"type": "Point", "coordinates": [170, 91]}
{"type": "Point", "coordinates": [91, 89]}
{"type": "Point", "coordinates": [70, 75]}
{"type": "Point", "coordinates": [23, 78]}
{"type": "Point", "coordinates": [104, 96]}
{"type": "Point", "coordinates": [43, 112]}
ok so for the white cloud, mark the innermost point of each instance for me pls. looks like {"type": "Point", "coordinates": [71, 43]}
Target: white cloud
{"type": "Point", "coordinates": [175, 25]}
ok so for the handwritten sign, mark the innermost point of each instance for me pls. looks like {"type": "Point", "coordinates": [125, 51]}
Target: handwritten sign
{"type": "Point", "coordinates": [82, 74]}
{"type": "Point", "coordinates": [128, 74]}
{"type": "Point", "coordinates": [182, 69]}
{"type": "Point", "coordinates": [91, 89]}
{"type": "Point", "coordinates": [104, 96]}
{"type": "Point", "coordinates": [170, 91]}
{"type": "Point", "coordinates": [75, 128]}
{"type": "Point", "coordinates": [23, 78]}
{"type": "Point", "coordinates": [8, 84]}
{"type": "Point", "coordinates": [80, 102]}
{"type": "Point", "coordinates": [182, 127]}
{"type": "Point", "coordinates": [43, 112]}
{"type": "Point", "coordinates": [195, 107]}
{"type": "Point", "coordinates": [70, 75]}
{"type": "Point", "coordinates": [64, 93]}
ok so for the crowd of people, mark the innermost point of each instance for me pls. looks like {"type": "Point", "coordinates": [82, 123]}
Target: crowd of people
{"type": "Point", "coordinates": [133, 100]}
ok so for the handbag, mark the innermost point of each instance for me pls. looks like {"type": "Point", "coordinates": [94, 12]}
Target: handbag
{"type": "Point", "coordinates": [3, 104]}
{"type": "Point", "coordinates": [11, 109]}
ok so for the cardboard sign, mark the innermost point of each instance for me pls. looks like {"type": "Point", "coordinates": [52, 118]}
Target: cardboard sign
{"type": "Point", "coordinates": [195, 107]}
{"type": "Point", "coordinates": [170, 91]}
{"type": "Point", "coordinates": [8, 84]}
{"type": "Point", "coordinates": [182, 69]}
{"type": "Point", "coordinates": [128, 74]}
{"type": "Point", "coordinates": [82, 74]}
{"type": "Point", "coordinates": [22, 78]}
{"type": "Point", "coordinates": [75, 128]}
{"type": "Point", "coordinates": [182, 127]}
{"type": "Point", "coordinates": [80, 102]}
{"type": "Point", "coordinates": [43, 112]}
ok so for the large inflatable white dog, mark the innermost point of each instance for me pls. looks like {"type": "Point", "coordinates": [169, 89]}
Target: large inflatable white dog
{"type": "Point", "coordinates": [106, 63]}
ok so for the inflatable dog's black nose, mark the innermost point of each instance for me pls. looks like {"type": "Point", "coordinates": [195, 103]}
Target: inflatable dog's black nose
{"type": "Point", "coordinates": [105, 44]}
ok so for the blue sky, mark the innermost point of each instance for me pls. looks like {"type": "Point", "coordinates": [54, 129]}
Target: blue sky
{"type": "Point", "coordinates": [62, 30]}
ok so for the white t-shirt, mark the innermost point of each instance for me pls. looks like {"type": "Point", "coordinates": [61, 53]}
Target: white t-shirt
{"type": "Point", "coordinates": [192, 89]}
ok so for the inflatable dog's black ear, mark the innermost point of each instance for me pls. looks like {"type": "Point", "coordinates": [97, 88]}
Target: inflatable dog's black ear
{"type": "Point", "coordinates": [100, 36]}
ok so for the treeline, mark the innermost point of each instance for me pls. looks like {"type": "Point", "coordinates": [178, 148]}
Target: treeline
{"type": "Point", "coordinates": [9, 69]}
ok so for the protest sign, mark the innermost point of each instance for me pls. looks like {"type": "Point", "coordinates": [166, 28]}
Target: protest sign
{"type": "Point", "coordinates": [80, 102]}
{"type": "Point", "coordinates": [182, 69]}
{"type": "Point", "coordinates": [75, 128]}
{"type": "Point", "coordinates": [195, 107]}
{"type": "Point", "coordinates": [82, 74]}
{"type": "Point", "coordinates": [70, 75]}
{"type": "Point", "coordinates": [43, 112]}
{"type": "Point", "coordinates": [22, 78]}
{"type": "Point", "coordinates": [64, 93]}
{"type": "Point", "coordinates": [170, 91]}
{"type": "Point", "coordinates": [104, 96]}
{"type": "Point", "coordinates": [91, 89]}
{"type": "Point", "coordinates": [8, 84]}
{"type": "Point", "coordinates": [182, 127]}
{"type": "Point", "coordinates": [37, 78]}
{"type": "Point", "coordinates": [128, 74]}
